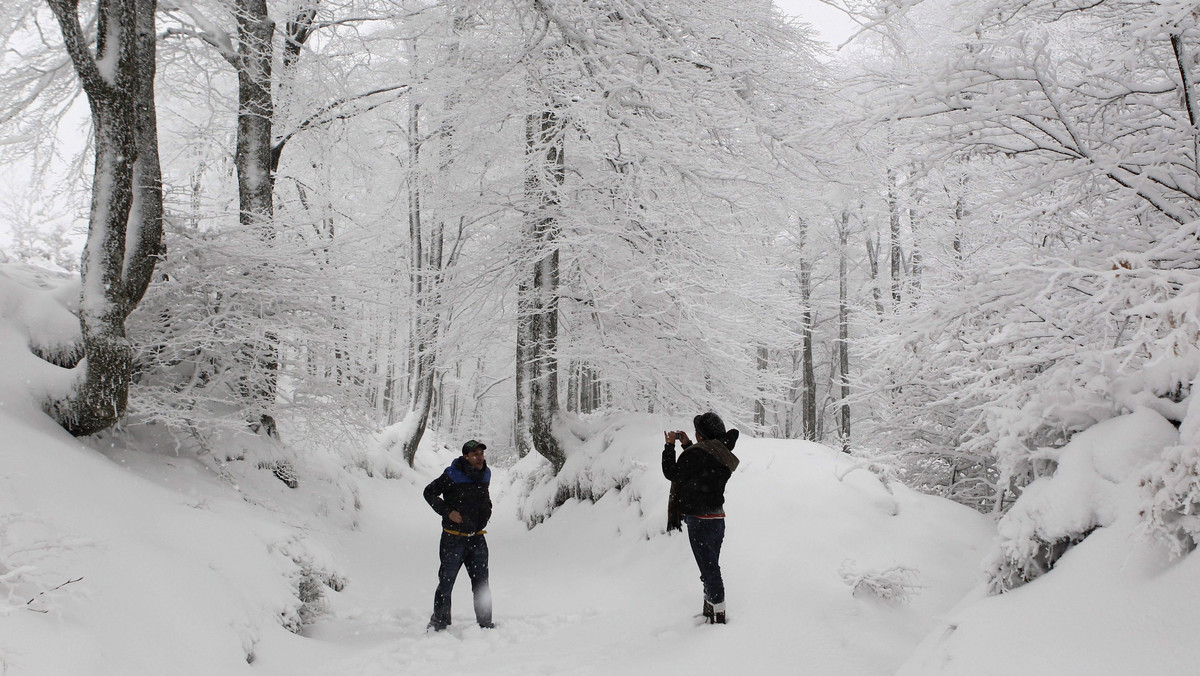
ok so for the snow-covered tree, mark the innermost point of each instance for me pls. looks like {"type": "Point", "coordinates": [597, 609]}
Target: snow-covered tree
{"type": "Point", "coordinates": [126, 214]}
{"type": "Point", "coordinates": [1073, 128]}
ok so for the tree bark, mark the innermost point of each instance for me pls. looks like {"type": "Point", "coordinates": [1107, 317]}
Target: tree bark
{"type": "Point", "coordinates": [125, 223]}
{"type": "Point", "coordinates": [256, 113]}
{"type": "Point", "coordinates": [762, 362]}
{"type": "Point", "coordinates": [895, 253]}
{"type": "Point", "coordinates": [915, 270]}
{"type": "Point", "coordinates": [843, 333]}
{"type": "Point", "coordinates": [873, 262]}
{"type": "Point", "coordinates": [537, 294]}
{"type": "Point", "coordinates": [253, 160]}
{"type": "Point", "coordinates": [808, 382]}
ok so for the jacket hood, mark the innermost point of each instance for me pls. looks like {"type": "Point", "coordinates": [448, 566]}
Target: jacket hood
{"type": "Point", "coordinates": [720, 451]}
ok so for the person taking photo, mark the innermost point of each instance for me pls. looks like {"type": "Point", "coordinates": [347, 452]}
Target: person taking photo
{"type": "Point", "coordinates": [698, 477]}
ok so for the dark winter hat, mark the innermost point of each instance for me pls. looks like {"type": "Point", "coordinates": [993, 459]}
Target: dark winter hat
{"type": "Point", "coordinates": [473, 445]}
{"type": "Point", "coordinates": [709, 425]}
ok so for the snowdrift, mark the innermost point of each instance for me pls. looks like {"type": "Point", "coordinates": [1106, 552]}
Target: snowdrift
{"type": "Point", "coordinates": [1104, 597]}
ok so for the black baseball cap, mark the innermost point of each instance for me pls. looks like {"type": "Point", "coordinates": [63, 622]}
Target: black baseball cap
{"type": "Point", "coordinates": [473, 445]}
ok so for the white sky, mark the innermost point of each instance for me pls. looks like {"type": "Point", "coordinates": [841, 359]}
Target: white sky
{"type": "Point", "coordinates": [833, 26]}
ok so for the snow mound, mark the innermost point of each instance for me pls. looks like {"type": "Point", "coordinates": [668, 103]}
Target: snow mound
{"type": "Point", "coordinates": [39, 334]}
{"type": "Point", "coordinates": [1096, 481]}
{"type": "Point", "coordinates": [1107, 599]}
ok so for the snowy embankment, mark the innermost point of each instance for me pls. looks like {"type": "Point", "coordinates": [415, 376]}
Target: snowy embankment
{"type": "Point", "coordinates": [1115, 603]}
{"type": "Point", "coordinates": [137, 554]}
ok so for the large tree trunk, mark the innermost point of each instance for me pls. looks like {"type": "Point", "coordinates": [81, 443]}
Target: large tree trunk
{"type": "Point", "coordinates": [125, 225]}
{"type": "Point", "coordinates": [256, 185]}
{"type": "Point", "coordinates": [256, 114]}
{"type": "Point", "coordinates": [537, 294]}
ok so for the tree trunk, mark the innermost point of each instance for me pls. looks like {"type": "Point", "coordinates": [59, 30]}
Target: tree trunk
{"type": "Point", "coordinates": [808, 381]}
{"type": "Point", "coordinates": [762, 362]}
{"type": "Point", "coordinates": [895, 253]}
{"type": "Point", "coordinates": [537, 294]}
{"type": "Point", "coordinates": [426, 286]}
{"type": "Point", "coordinates": [873, 261]}
{"type": "Point", "coordinates": [125, 224]}
{"type": "Point", "coordinates": [843, 333]}
{"type": "Point", "coordinates": [915, 269]}
{"type": "Point", "coordinates": [253, 159]}
{"type": "Point", "coordinates": [960, 218]}
{"type": "Point", "coordinates": [256, 112]}
{"type": "Point", "coordinates": [574, 376]}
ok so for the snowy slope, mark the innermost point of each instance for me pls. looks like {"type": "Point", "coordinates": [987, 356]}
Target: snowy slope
{"type": "Point", "coordinates": [1113, 604]}
{"type": "Point", "coordinates": [134, 554]}
{"type": "Point", "coordinates": [179, 572]}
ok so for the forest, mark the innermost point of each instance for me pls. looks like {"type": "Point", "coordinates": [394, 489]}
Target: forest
{"type": "Point", "coordinates": [946, 247]}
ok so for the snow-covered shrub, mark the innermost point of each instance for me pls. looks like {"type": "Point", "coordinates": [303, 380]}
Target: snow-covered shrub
{"type": "Point", "coordinates": [600, 461]}
{"type": "Point", "coordinates": [231, 320]}
{"type": "Point", "coordinates": [1173, 496]}
{"type": "Point", "coordinates": [974, 383]}
{"type": "Point", "coordinates": [314, 572]}
{"type": "Point", "coordinates": [1095, 482]}
{"type": "Point", "coordinates": [543, 491]}
{"type": "Point", "coordinates": [896, 584]}
{"type": "Point", "coordinates": [1171, 489]}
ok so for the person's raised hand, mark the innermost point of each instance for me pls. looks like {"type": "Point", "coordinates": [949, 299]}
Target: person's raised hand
{"type": "Point", "coordinates": [455, 516]}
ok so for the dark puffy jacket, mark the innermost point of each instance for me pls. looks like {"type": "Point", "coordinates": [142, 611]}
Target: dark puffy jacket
{"type": "Point", "coordinates": [463, 489]}
{"type": "Point", "coordinates": [699, 475]}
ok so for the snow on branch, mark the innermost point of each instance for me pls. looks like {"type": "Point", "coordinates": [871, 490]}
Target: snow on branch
{"type": "Point", "coordinates": [896, 584]}
{"type": "Point", "coordinates": [205, 30]}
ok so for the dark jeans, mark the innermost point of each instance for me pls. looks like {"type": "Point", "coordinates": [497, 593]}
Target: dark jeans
{"type": "Point", "coordinates": [706, 536]}
{"type": "Point", "coordinates": [457, 551]}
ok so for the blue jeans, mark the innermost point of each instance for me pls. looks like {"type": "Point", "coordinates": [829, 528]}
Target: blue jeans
{"type": "Point", "coordinates": [706, 536]}
{"type": "Point", "coordinates": [457, 551]}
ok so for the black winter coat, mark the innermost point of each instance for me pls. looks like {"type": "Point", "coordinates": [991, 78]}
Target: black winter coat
{"type": "Point", "coordinates": [699, 475]}
{"type": "Point", "coordinates": [463, 489]}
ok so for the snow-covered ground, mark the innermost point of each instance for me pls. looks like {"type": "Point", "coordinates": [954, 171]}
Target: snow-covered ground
{"type": "Point", "coordinates": [134, 554]}
{"type": "Point", "coordinates": [1116, 603]}
{"type": "Point", "coordinates": [182, 572]}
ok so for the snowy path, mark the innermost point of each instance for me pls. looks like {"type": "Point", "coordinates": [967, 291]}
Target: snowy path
{"type": "Point", "coordinates": [574, 597]}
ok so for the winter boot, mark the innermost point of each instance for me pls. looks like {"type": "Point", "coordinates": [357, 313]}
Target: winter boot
{"type": "Point", "coordinates": [718, 613]}
{"type": "Point", "coordinates": [708, 612]}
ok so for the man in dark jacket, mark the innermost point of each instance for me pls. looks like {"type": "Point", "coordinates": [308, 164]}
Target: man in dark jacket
{"type": "Point", "coordinates": [698, 479]}
{"type": "Point", "coordinates": [461, 496]}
